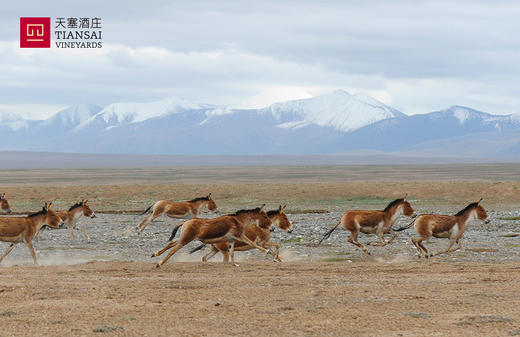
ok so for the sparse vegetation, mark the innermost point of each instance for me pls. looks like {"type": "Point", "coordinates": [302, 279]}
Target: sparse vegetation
{"type": "Point", "coordinates": [510, 235]}
{"type": "Point", "coordinates": [304, 189]}
{"type": "Point", "coordinates": [293, 240]}
{"type": "Point", "coordinates": [510, 218]}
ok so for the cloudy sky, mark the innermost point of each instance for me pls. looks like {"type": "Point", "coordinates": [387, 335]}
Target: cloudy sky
{"type": "Point", "coordinates": [415, 56]}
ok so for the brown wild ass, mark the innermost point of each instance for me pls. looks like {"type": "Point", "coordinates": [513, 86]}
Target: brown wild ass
{"type": "Point", "coordinates": [75, 212]}
{"type": "Point", "coordinates": [373, 222]}
{"type": "Point", "coordinates": [4, 205]}
{"type": "Point", "coordinates": [227, 228]}
{"type": "Point", "coordinates": [445, 226]}
{"type": "Point", "coordinates": [257, 233]}
{"type": "Point", "coordinates": [177, 209]}
{"type": "Point", "coordinates": [23, 229]}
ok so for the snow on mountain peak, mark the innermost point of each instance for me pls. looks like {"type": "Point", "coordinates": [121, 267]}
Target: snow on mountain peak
{"type": "Point", "coordinates": [74, 115]}
{"type": "Point", "coordinates": [460, 113]}
{"type": "Point", "coordinates": [338, 109]}
{"type": "Point", "coordinates": [120, 113]}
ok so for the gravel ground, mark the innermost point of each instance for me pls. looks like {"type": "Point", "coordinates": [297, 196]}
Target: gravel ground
{"type": "Point", "coordinates": [112, 237]}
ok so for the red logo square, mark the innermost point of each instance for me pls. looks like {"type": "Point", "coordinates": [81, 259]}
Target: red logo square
{"type": "Point", "coordinates": [35, 32]}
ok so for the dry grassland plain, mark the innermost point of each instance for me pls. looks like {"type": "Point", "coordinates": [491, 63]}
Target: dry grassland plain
{"type": "Point", "coordinates": [474, 293]}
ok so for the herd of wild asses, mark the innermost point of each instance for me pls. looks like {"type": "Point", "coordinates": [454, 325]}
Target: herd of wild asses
{"type": "Point", "coordinates": [249, 228]}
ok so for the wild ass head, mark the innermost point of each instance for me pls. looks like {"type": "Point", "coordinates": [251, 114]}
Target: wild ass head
{"type": "Point", "coordinates": [401, 206]}
{"type": "Point", "coordinates": [87, 211]}
{"type": "Point", "coordinates": [475, 211]}
{"type": "Point", "coordinates": [279, 218]}
{"type": "Point", "coordinates": [4, 204]}
{"type": "Point", "coordinates": [50, 218]}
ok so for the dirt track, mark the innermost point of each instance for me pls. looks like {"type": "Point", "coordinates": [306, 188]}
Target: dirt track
{"type": "Point", "coordinates": [261, 299]}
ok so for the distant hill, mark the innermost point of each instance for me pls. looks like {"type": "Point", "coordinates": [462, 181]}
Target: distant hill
{"type": "Point", "coordinates": [335, 123]}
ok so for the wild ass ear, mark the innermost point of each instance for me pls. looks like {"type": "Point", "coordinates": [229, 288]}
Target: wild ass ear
{"type": "Point", "coordinates": [405, 196]}
{"type": "Point", "coordinates": [209, 195]}
{"type": "Point", "coordinates": [262, 207]}
{"type": "Point", "coordinates": [478, 202]}
{"type": "Point", "coordinates": [49, 205]}
{"type": "Point", "coordinates": [280, 208]}
{"type": "Point", "coordinates": [45, 207]}
{"type": "Point", "coordinates": [283, 207]}
{"type": "Point", "coordinates": [85, 202]}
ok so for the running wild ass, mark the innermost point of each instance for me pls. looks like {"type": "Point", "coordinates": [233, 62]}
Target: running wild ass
{"type": "Point", "coordinates": [373, 222]}
{"type": "Point", "coordinates": [75, 212]}
{"type": "Point", "coordinates": [4, 205]}
{"type": "Point", "coordinates": [445, 226]}
{"type": "Point", "coordinates": [227, 228]}
{"type": "Point", "coordinates": [256, 233]}
{"type": "Point", "coordinates": [23, 229]}
{"type": "Point", "coordinates": [177, 209]}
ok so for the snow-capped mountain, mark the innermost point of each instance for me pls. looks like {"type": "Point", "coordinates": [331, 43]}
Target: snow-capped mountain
{"type": "Point", "coordinates": [333, 123]}
{"type": "Point", "coordinates": [338, 110]}
{"type": "Point", "coordinates": [72, 116]}
{"type": "Point", "coordinates": [117, 114]}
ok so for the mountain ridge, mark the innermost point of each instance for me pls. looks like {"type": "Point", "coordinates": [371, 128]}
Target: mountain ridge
{"type": "Point", "coordinates": [336, 122]}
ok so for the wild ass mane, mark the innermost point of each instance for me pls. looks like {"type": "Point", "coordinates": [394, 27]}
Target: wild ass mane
{"type": "Point", "coordinates": [273, 212]}
{"type": "Point", "coordinates": [467, 208]}
{"type": "Point", "coordinates": [42, 212]}
{"type": "Point", "coordinates": [393, 203]}
{"type": "Point", "coordinates": [199, 199]}
{"type": "Point", "coordinates": [242, 211]}
{"type": "Point", "coordinates": [76, 205]}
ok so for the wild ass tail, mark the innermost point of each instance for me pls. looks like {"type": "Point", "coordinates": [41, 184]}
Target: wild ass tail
{"type": "Point", "coordinates": [196, 249]}
{"type": "Point", "coordinates": [405, 227]}
{"type": "Point", "coordinates": [326, 236]}
{"type": "Point", "coordinates": [175, 229]}
{"type": "Point", "coordinates": [147, 210]}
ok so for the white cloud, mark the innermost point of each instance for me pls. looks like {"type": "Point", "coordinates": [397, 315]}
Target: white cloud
{"type": "Point", "coordinates": [416, 58]}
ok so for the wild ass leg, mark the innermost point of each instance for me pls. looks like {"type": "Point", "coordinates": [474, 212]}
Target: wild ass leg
{"type": "Point", "coordinates": [417, 241]}
{"type": "Point", "coordinates": [71, 229]}
{"type": "Point", "coordinates": [426, 254]}
{"type": "Point", "coordinates": [225, 256]}
{"type": "Point", "coordinates": [175, 248]}
{"type": "Point", "coordinates": [29, 244]}
{"type": "Point", "coordinates": [168, 246]}
{"type": "Point", "coordinates": [276, 253]}
{"type": "Point", "coordinates": [233, 254]}
{"type": "Point", "coordinates": [394, 235]}
{"type": "Point", "coordinates": [381, 235]}
{"type": "Point", "coordinates": [147, 220]}
{"type": "Point", "coordinates": [245, 239]}
{"type": "Point", "coordinates": [209, 255]}
{"type": "Point", "coordinates": [449, 250]}
{"type": "Point", "coordinates": [11, 246]}
{"type": "Point", "coordinates": [84, 232]}
{"type": "Point", "coordinates": [353, 240]}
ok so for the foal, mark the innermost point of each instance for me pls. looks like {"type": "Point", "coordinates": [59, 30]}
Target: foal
{"type": "Point", "coordinates": [227, 228]}
{"type": "Point", "coordinates": [4, 205]}
{"type": "Point", "coordinates": [75, 212]}
{"type": "Point", "coordinates": [18, 229]}
{"type": "Point", "coordinates": [257, 233]}
{"type": "Point", "coordinates": [445, 226]}
{"type": "Point", "coordinates": [373, 222]}
{"type": "Point", "coordinates": [177, 209]}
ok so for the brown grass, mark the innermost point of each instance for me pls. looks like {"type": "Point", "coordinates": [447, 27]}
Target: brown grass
{"type": "Point", "coordinates": [301, 188]}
